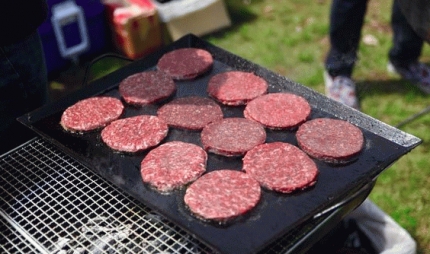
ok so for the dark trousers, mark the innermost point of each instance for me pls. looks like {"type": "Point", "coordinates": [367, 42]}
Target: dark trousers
{"type": "Point", "coordinates": [23, 87]}
{"type": "Point", "coordinates": [346, 22]}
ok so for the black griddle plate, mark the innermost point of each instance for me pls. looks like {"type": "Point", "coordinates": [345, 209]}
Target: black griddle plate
{"type": "Point", "coordinates": [276, 214]}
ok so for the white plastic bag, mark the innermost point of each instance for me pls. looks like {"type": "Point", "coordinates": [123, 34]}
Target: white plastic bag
{"type": "Point", "coordinates": [386, 235]}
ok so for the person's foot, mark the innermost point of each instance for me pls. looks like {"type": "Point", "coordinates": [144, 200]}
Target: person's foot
{"type": "Point", "coordinates": [417, 73]}
{"type": "Point", "coordinates": [341, 89]}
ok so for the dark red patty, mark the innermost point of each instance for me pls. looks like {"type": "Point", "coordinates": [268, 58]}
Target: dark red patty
{"type": "Point", "coordinates": [280, 167]}
{"type": "Point", "coordinates": [222, 195]}
{"type": "Point", "coordinates": [278, 110]}
{"type": "Point", "coordinates": [232, 136]}
{"type": "Point", "coordinates": [236, 87]}
{"type": "Point", "coordinates": [330, 140]}
{"type": "Point", "coordinates": [134, 134]}
{"type": "Point", "coordinates": [92, 113]}
{"type": "Point", "coordinates": [173, 165]}
{"type": "Point", "coordinates": [185, 63]}
{"type": "Point", "coordinates": [146, 87]}
{"type": "Point", "coordinates": [192, 113]}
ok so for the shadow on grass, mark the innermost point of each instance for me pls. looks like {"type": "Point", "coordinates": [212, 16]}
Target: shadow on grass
{"type": "Point", "coordinates": [385, 87]}
{"type": "Point", "coordinates": [389, 86]}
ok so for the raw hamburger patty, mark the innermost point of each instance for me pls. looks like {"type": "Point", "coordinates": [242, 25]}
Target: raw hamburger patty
{"type": "Point", "coordinates": [236, 87]}
{"type": "Point", "coordinates": [280, 167]}
{"type": "Point", "coordinates": [330, 140]}
{"type": "Point", "coordinates": [172, 165]}
{"type": "Point", "coordinates": [222, 195]}
{"type": "Point", "coordinates": [92, 113]}
{"type": "Point", "coordinates": [192, 113]}
{"type": "Point", "coordinates": [146, 87]}
{"type": "Point", "coordinates": [134, 134]}
{"type": "Point", "coordinates": [278, 110]}
{"type": "Point", "coordinates": [185, 63]}
{"type": "Point", "coordinates": [232, 136]}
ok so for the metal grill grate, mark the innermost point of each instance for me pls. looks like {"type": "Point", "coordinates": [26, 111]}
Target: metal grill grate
{"type": "Point", "coordinates": [50, 203]}
{"type": "Point", "coordinates": [53, 204]}
{"type": "Point", "coordinates": [13, 242]}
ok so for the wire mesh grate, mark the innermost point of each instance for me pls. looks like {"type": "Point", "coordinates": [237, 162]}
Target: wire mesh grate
{"type": "Point", "coordinates": [53, 204]}
{"type": "Point", "coordinates": [12, 241]}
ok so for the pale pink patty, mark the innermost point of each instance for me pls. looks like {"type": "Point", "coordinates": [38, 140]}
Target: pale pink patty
{"type": "Point", "coordinates": [222, 195]}
{"type": "Point", "coordinates": [92, 113]}
{"type": "Point", "coordinates": [278, 110]}
{"type": "Point", "coordinates": [330, 140]}
{"type": "Point", "coordinates": [236, 87]}
{"type": "Point", "coordinates": [192, 113]}
{"type": "Point", "coordinates": [280, 167]}
{"type": "Point", "coordinates": [232, 136]}
{"type": "Point", "coordinates": [172, 165]}
{"type": "Point", "coordinates": [146, 87]}
{"type": "Point", "coordinates": [134, 134]}
{"type": "Point", "coordinates": [185, 63]}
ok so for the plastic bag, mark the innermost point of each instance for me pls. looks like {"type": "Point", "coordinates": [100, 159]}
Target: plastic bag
{"type": "Point", "coordinates": [386, 236]}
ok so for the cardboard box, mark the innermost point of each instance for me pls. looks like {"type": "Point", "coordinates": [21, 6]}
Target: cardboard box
{"type": "Point", "coordinates": [199, 17]}
{"type": "Point", "coordinates": [135, 26]}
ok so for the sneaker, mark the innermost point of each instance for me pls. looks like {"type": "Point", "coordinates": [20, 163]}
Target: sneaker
{"type": "Point", "coordinates": [417, 73]}
{"type": "Point", "coordinates": [341, 89]}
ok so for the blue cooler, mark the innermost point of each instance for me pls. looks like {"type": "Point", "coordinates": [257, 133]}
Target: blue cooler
{"type": "Point", "coordinates": [74, 28]}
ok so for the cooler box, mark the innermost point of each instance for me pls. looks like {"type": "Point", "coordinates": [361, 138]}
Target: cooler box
{"type": "Point", "coordinates": [199, 17]}
{"type": "Point", "coordinates": [73, 28]}
{"type": "Point", "coordinates": [135, 26]}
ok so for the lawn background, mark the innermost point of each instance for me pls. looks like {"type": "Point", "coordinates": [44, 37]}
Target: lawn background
{"type": "Point", "coordinates": [290, 38]}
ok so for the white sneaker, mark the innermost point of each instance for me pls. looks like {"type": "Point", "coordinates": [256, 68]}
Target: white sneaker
{"type": "Point", "coordinates": [341, 89]}
{"type": "Point", "coordinates": [417, 73]}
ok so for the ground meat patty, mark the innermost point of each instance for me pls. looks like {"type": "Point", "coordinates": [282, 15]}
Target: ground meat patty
{"type": "Point", "coordinates": [192, 113]}
{"type": "Point", "coordinates": [280, 167]}
{"type": "Point", "coordinates": [146, 87]}
{"type": "Point", "coordinates": [236, 87]}
{"type": "Point", "coordinates": [185, 63]}
{"type": "Point", "coordinates": [173, 165]}
{"type": "Point", "coordinates": [135, 134]}
{"type": "Point", "coordinates": [232, 136]}
{"type": "Point", "coordinates": [330, 140]}
{"type": "Point", "coordinates": [278, 110]}
{"type": "Point", "coordinates": [92, 113]}
{"type": "Point", "coordinates": [222, 195]}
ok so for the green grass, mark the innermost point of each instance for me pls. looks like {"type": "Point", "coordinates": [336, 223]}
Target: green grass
{"type": "Point", "coordinates": [290, 38]}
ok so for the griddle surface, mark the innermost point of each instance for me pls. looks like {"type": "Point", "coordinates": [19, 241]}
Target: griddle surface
{"type": "Point", "coordinates": [276, 214]}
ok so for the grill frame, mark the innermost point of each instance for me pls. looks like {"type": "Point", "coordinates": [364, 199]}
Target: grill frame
{"type": "Point", "coordinates": [123, 170]}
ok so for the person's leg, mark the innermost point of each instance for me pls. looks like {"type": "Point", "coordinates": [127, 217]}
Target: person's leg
{"type": "Point", "coordinates": [23, 87]}
{"type": "Point", "coordinates": [346, 21]}
{"type": "Point", "coordinates": [406, 50]}
{"type": "Point", "coordinates": [407, 45]}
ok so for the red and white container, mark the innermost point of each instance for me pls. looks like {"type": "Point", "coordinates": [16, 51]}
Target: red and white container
{"type": "Point", "coordinates": [135, 26]}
